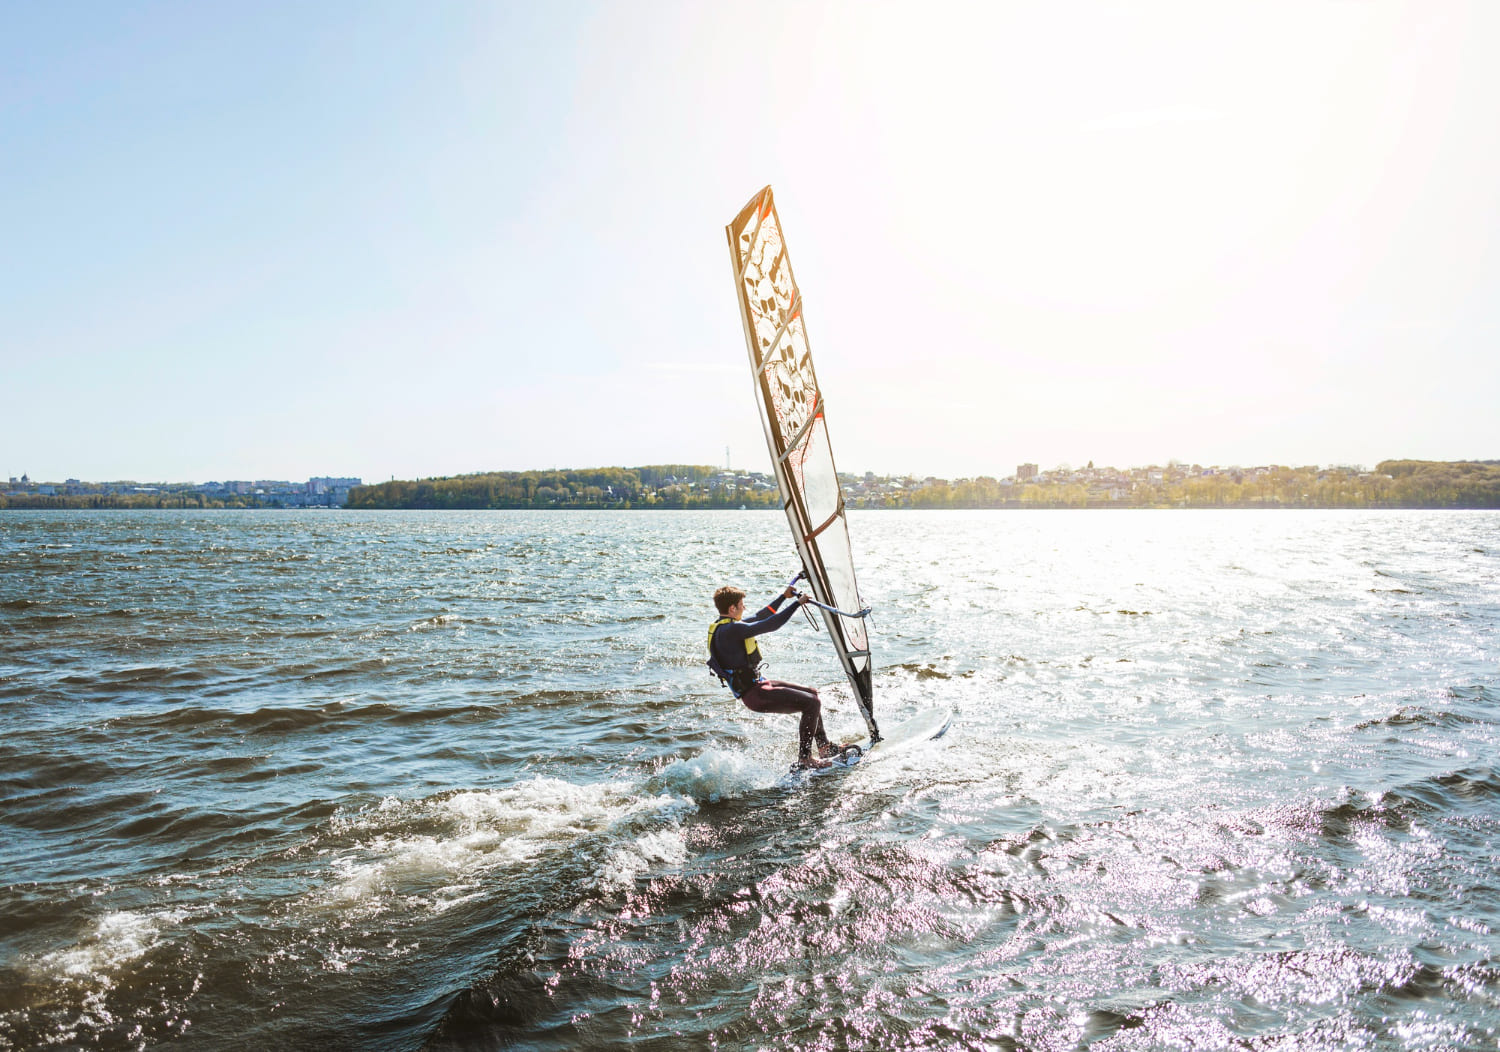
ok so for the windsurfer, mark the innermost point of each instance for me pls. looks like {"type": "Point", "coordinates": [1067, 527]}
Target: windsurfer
{"type": "Point", "coordinates": [732, 648]}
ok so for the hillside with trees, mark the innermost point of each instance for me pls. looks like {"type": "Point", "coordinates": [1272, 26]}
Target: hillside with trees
{"type": "Point", "coordinates": [655, 486]}
{"type": "Point", "coordinates": [1392, 484]}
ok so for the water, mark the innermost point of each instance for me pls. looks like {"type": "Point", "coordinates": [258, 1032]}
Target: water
{"type": "Point", "coordinates": [392, 781]}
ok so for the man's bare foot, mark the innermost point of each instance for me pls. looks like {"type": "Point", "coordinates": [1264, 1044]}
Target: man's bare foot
{"type": "Point", "coordinates": [811, 763]}
{"type": "Point", "coordinates": [828, 749]}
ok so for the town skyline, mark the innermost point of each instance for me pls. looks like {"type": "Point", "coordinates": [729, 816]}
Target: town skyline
{"type": "Point", "coordinates": [1391, 483]}
{"type": "Point", "coordinates": [1020, 471]}
{"type": "Point", "coordinates": [317, 491]}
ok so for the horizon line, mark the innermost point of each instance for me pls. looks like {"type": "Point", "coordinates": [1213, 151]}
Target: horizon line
{"type": "Point", "coordinates": [1063, 466]}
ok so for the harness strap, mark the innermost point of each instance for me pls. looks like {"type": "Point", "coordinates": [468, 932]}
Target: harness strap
{"type": "Point", "coordinates": [727, 675]}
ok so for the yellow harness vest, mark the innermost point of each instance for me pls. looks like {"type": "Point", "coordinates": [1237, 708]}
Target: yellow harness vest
{"type": "Point", "coordinates": [752, 657]}
{"type": "Point", "coordinates": [750, 647]}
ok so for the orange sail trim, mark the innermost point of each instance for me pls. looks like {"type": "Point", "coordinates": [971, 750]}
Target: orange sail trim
{"type": "Point", "coordinates": [830, 521]}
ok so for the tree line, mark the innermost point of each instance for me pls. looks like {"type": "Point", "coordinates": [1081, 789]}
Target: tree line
{"type": "Point", "coordinates": [1393, 484]}
{"type": "Point", "coordinates": [119, 501]}
{"type": "Point", "coordinates": [654, 486]}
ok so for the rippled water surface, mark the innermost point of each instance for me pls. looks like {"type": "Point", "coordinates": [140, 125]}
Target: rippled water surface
{"type": "Point", "coordinates": [461, 780]}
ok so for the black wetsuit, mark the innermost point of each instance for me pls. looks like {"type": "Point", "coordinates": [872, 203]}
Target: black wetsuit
{"type": "Point", "coordinates": [767, 695]}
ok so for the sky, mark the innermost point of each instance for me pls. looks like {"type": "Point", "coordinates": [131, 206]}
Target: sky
{"type": "Point", "coordinates": [280, 240]}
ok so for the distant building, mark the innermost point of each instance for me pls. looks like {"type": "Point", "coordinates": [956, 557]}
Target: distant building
{"type": "Point", "coordinates": [1026, 471]}
{"type": "Point", "coordinates": [319, 487]}
{"type": "Point", "coordinates": [330, 492]}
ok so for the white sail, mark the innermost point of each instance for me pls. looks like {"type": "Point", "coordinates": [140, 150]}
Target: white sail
{"type": "Point", "coordinates": [795, 421]}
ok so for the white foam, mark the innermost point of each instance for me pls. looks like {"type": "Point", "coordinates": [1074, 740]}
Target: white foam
{"type": "Point", "coordinates": [717, 775]}
{"type": "Point", "coordinates": [628, 862]}
{"type": "Point", "coordinates": [397, 863]}
{"type": "Point", "coordinates": [436, 621]}
{"type": "Point", "coordinates": [486, 829]}
{"type": "Point", "coordinates": [547, 808]}
{"type": "Point", "coordinates": [115, 939]}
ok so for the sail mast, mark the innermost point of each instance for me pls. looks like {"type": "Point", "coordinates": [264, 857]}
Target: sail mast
{"type": "Point", "coordinates": [796, 428]}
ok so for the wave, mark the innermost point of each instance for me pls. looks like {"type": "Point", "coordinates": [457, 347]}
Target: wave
{"type": "Point", "coordinates": [626, 864]}
{"type": "Point", "coordinates": [1474, 692]}
{"type": "Point", "coordinates": [921, 670]}
{"type": "Point", "coordinates": [357, 668]}
{"type": "Point", "coordinates": [1313, 976]}
{"type": "Point", "coordinates": [563, 697]}
{"type": "Point", "coordinates": [280, 720]}
{"type": "Point", "coordinates": [111, 942]}
{"type": "Point", "coordinates": [1471, 784]}
{"type": "Point", "coordinates": [436, 621]}
{"type": "Point", "coordinates": [430, 851]}
{"type": "Point", "coordinates": [1352, 812]}
{"type": "Point", "coordinates": [715, 776]}
{"type": "Point", "coordinates": [109, 680]}
{"type": "Point", "coordinates": [83, 994]}
{"type": "Point", "coordinates": [1409, 716]}
{"type": "Point", "coordinates": [43, 620]}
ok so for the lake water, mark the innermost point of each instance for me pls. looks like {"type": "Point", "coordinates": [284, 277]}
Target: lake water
{"type": "Point", "coordinates": [461, 780]}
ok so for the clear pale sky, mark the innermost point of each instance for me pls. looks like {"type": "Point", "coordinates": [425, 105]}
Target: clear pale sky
{"type": "Point", "coordinates": [275, 240]}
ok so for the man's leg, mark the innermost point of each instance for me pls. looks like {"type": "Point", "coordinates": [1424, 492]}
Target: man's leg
{"type": "Point", "coordinates": [775, 696]}
{"type": "Point", "coordinates": [826, 748]}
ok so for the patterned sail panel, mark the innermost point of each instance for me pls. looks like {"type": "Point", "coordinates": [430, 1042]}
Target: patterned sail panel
{"type": "Point", "coordinates": [765, 273]}
{"type": "Point", "coordinates": [796, 428]}
{"type": "Point", "coordinates": [789, 380]}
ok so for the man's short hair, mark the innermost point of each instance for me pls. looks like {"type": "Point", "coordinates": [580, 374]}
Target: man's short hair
{"type": "Point", "coordinates": [727, 596]}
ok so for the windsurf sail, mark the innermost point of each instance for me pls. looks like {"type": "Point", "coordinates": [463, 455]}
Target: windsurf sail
{"type": "Point", "coordinates": [795, 421]}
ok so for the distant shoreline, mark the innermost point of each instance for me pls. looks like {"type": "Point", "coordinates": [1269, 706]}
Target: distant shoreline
{"type": "Point", "coordinates": [607, 509]}
{"type": "Point", "coordinates": [1394, 484]}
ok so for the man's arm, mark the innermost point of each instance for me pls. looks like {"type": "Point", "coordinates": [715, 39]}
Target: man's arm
{"type": "Point", "coordinates": [767, 619]}
{"type": "Point", "coordinates": [770, 608]}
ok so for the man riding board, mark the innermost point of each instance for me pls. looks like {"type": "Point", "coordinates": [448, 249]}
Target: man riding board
{"type": "Point", "coordinates": [734, 656]}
